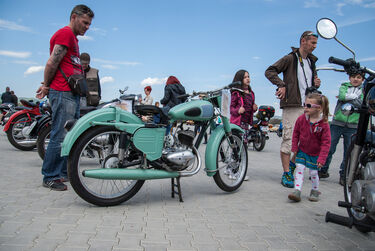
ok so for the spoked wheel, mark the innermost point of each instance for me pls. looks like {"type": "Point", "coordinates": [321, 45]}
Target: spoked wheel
{"type": "Point", "coordinates": [231, 169]}
{"type": "Point", "coordinates": [16, 132]}
{"type": "Point", "coordinates": [43, 140]}
{"type": "Point", "coordinates": [358, 216]}
{"type": "Point", "coordinates": [259, 141]}
{"type": "Point", "coordinates": [98, 148]}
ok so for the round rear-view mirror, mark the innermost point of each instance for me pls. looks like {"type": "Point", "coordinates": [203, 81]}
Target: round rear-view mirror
{"type": "Point", "coordinates": [326, 28]}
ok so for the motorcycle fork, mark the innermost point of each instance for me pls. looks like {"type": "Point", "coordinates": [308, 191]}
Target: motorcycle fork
{"type": "Point", "coordinates": [358, 145]}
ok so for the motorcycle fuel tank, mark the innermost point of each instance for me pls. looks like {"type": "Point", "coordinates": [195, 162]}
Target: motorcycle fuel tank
{"type": "Point", "coordinates": [198, 110]}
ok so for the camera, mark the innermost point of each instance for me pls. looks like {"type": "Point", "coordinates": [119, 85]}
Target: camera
{"type": "Point", "coordinates": [312, 89]}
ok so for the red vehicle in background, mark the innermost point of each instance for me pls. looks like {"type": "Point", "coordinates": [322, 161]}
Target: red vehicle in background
{"type": "Point", "coordinates": [20, 124]}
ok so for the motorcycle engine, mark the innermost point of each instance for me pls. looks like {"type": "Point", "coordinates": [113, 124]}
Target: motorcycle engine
{"type": "Point", "coordinates": [363, 191]}
{"type": "Point", "coordinates": [177, 154]}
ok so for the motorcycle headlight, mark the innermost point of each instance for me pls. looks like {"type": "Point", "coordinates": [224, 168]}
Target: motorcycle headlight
{"type": "Point", "coordinates": [370, 100]}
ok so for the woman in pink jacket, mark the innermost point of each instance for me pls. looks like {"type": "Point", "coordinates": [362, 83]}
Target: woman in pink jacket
{"type": "Point", "coordinates": [310, 143]}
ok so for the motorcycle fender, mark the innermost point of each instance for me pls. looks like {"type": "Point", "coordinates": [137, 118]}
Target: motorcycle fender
{"type": "Point", "coordinates": [42, 122]}
{"type": "Point", "coordinates": [213, 147]}
{"type": "Point", "coordinates": [111, 116]}
{"type": "Point", "coordinates": [13, 116]}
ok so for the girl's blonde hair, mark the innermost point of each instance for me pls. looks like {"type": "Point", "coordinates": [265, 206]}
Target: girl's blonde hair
{"type": "Point", "coordinates": [322, 101]}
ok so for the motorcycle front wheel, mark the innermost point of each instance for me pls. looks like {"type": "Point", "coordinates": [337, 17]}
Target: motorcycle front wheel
{"type": "Point", "coordinates": [43, 140]}
{"type": "Point", "coordinates": [259, 141]}
{"type": "Point", "coordinates": [358, 216]}
{"type": "Point", "coordinates": [231, 170]}
{"type": "Point", "coordinates": [15, 132]}
{"type": "Point", "coordinates": [98, 148]}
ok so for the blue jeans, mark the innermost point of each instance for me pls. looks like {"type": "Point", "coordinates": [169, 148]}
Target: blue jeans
{"type": "Point", "coordinates": [336, 132]}
{"type": "Point", "coordinates": [64, 106]}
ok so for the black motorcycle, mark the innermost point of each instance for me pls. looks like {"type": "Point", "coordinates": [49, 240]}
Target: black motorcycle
{"type": "Point", "coordinates": [257, 134]}
{"type": "Point", "coordinates": [359, 172]}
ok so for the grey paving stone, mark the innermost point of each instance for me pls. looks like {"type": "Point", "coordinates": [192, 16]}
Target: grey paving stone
{"type": "Point", "coordinates": [209, 219]}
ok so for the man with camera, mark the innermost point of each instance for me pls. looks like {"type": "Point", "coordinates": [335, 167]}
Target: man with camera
{"type": "Point", "coordinates": [299, 78]}
{"type": "Point", "coordinates": [64, 60]}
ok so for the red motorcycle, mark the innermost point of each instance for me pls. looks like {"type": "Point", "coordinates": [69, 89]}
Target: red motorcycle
{"type": "Point", "coordinates": [20, 124]}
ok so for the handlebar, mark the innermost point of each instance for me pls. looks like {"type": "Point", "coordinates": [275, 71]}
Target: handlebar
{"type": "Point", "coordinates": [350, 66]}
{"type": "Point", "coordinates": [345, 63]}
{"type": "Point", "coordinates": [231, 86]}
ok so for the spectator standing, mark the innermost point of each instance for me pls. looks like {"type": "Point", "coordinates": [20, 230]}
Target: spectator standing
{"type": "Point", "coordinates": [342, 125]}
{"type": "Point", "coordinates": [14, 98]}
{"type": "Point", "coordinates": [242, 105]}
{"type": "Point", "coordinates": [93, 94]}
{"type": "Point", "coordinates": [64, 57]}
{"type": "Point", "coordinates": [6, 97]}
{"type": "Point", "coordinates": [299, 74]}
{"type": "Point", "coordinates": [147, 100]}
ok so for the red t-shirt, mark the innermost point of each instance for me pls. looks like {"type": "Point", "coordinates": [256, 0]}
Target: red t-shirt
{"type": "Point", "coordinates": [71, 63]}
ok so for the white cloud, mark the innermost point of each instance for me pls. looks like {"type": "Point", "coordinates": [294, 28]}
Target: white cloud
{"type": "Point", "coordinates": [109, 66]}
{"type": "Point", "coordinates": [367, 59]}
{"type": "Point", "coordinates": [9, 25]}
{"type": "Point", "coordinates": [256, 57]}
{"type": "Point", "coordinates": [25, 62]}
{"type": "Point", "coordinates": [34, 69]}
{"type": "Point", "coordinates": [311, 4]}
{"type": "Point", "coordinates": [356, 21]}
{"type": "Point", "coordinates": [15, 54]}
{"type": "Point", "coordinates": [115, 29]}
{"type": "Point", "coordinates": [98, 31]}
{"type": "Point", "coordinates": [85, 38]}
{"type": "Point", "coordinates": [107, 79]}
{"type": "Point", "coordinates": [339, 7]}
{"type": "Point", "coordinates": [153, 81]}
{"type": "Point", "coordinates": [109, 62]}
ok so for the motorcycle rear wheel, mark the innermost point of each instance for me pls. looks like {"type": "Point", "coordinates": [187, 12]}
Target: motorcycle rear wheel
{"type": "Point", "coordinates": [259, 141]}
{"type": "Point", "coordinates": [14, 132]}
{"type": "Point", "coordinates": [358, 216]}
{"type": "Point", "coordinates": [43, 140]}
{"type": "Point", "coordinates": [93, 151]}
{"type": "Point", "coordinates": [230, 172]}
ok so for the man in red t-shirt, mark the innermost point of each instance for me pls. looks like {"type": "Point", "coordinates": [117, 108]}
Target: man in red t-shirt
{"type": "Point", "coordinates": [64, 56]}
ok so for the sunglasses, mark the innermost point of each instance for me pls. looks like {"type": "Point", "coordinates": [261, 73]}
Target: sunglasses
{"type": "Point", "coordinates": [311, 106]}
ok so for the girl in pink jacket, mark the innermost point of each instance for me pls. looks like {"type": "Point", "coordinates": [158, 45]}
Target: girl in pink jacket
{"type": "Point", "coordinates": [310, 144]}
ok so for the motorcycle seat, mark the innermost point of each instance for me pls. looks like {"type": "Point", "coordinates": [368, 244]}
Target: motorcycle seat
{"type": "Point", "coordinates": [29, 104]}
{"type": "Point", "coordinates": [147, 110]}
{"type": "Point", "coordinates": [86, 109]}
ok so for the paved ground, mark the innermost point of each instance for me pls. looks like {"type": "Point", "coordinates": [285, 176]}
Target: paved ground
{"type": "Point", "coordinates": [257, 217]}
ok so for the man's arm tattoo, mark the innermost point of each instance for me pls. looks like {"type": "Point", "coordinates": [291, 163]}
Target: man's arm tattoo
{"type": "Point", "coordinates": [58, 53]}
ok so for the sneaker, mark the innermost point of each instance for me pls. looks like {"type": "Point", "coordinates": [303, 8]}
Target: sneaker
{"type": "Point", "coordinates": [314, 195]}
{"type": "Point", "coordinates": [286, 180]}
{"type": "Point", "coordinates": [323, 175]}
{"type": "Point", "coordinates": [246, 178]}
{"type": "Point", "coordinates": [295, 196]}
{"type": "Point", "coordinates": [56, 185]}
{"type": "Point", "coordinates": [64, 179]}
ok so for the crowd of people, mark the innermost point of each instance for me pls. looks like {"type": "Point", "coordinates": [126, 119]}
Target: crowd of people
{"type": "Point", "coordinates": [308, 141]}
{"type": "Point", "coordinates": [8, 97]}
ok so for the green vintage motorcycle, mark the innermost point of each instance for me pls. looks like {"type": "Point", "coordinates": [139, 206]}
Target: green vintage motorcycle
{"type": "Point", "coordinates": [111, 152]}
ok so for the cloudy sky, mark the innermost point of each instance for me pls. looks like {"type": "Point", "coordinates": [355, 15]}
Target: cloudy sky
{"type": "Point", "coordinates": [203, 43]}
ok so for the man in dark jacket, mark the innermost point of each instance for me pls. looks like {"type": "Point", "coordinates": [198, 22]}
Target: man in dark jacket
{"type": "Point", "coordinates": [172, 90]}
{"type": "Point", "coordinates": [299, 74]}
{"type": "Point", "coordinates": [6, 97]}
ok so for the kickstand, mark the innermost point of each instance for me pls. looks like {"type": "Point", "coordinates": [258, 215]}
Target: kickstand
{"type": "Point", "coordinates": [178, 185]}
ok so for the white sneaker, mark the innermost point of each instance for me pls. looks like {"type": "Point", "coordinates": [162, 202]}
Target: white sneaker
{"type": "Point", "coordinates": [246, 178]}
